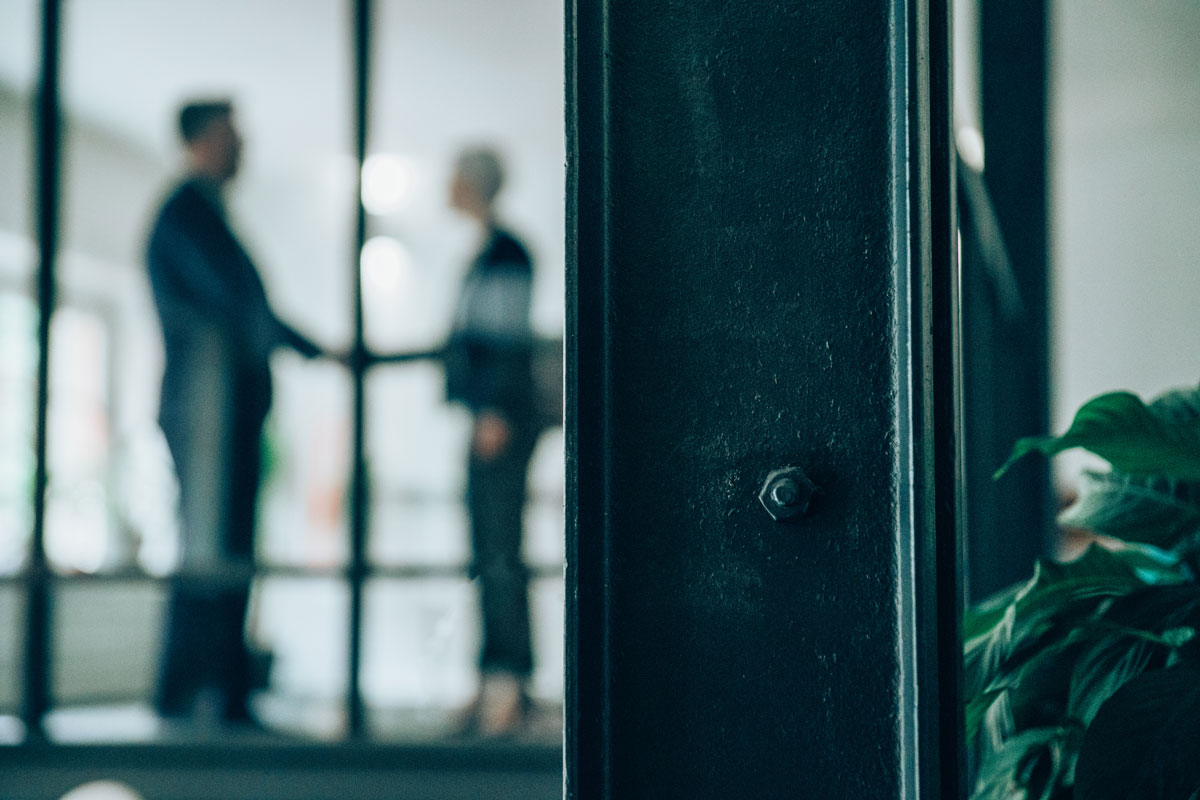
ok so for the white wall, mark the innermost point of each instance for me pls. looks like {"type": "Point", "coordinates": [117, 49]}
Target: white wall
{"type": "Point", "coordinates": [1126, 199]}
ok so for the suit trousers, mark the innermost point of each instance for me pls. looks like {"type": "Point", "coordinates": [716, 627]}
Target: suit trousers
{"type": "Point", "coordinates": [205, 645]}
{"type": "Point", "coordinates": [496, 504]}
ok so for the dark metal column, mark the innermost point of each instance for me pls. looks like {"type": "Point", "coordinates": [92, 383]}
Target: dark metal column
{"type": "Point", "coordinates": [1008, 343]}
{"type": "Point", "coordinates": [47, 136]}
{"type": "Point", "coordinates": [358, 478]}
{"type": "Point", "coordinates": [761, 275]}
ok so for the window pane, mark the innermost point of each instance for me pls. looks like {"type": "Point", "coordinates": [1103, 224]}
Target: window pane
{"type": "Point", "coordinates": [303, 624]}
{"type": "Point", "coordinates": [105, 656]}
{"type": "Point", "coordinates": [421, 644]}
{"type": "Point", "coordinates": [12, 612]}
{"type": "Point", "coordinates": [128, 67]}
{"type": "Point", "coordinates": [19, 33]}
{"type": "Point", "coordinates": [449, 76]}
{"type": "Point", "coordinates": [282, 199]}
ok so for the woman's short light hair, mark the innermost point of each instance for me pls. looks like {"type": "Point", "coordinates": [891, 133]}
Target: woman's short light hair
{"type": "Point", "coordinates": [483, 169]}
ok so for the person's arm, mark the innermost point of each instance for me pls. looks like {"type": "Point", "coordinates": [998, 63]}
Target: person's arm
{"type": "Point", "coordinates": [290, 337]}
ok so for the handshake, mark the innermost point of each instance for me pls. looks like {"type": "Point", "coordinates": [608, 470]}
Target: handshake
{"type": "Point", "coordinates": [358, 358]}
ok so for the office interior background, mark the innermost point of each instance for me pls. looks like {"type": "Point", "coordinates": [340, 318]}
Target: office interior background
{"type": "Point", "coordinates": [1124, 159]}
{"type": "Point", "coordinates": [445, 75]}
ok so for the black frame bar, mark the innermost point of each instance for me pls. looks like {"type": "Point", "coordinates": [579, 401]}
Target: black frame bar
{"type": "Point", "coordinates": [359, 479]}
{"type": "Point", "coordinates": [35, 700]}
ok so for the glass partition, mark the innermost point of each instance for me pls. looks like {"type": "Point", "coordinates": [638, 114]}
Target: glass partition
{"type": "Point", "coordinates": [114, 498]}
{"type": "Point", "coordinates": [19, 29]}
{"type": "Point", "coordinates": [133, 586]}
{"type": "Point", "coordinates": [448, 77]}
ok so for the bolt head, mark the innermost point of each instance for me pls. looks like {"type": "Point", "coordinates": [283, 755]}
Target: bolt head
{"type": "Point", "coordinates": [786, 493]}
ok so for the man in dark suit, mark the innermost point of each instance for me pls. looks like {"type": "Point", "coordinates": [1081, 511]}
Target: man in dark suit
{"type": "Point", "coordinates": [219, 332]}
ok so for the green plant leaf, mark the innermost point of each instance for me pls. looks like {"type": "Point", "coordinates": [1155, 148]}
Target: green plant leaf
{"type": "Point", "coordinates": [1121, 429]}
{"type": "Point", "coordinates": [977, 709]}
{"type": "Point", "coordinates": [1029, 765]}
{"type": "Point", "coordinates": [1053, 589]}
{"type": "Point", "coordinates": [1153, 566]}
{"type": "Point", "coordinates": [1144, 741]}
{"type": "Point", "coordinates": [1100, 671]}
{"type": "Point", "coordinates": [1145, 509]}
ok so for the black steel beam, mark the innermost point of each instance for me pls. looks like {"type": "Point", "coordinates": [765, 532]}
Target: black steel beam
{"type": "Point", "coordinates": [761, 275]}
{"type": "Point", "coordinates": [37, 669]}
{"type": "Point", "coordinates": [359, 523]}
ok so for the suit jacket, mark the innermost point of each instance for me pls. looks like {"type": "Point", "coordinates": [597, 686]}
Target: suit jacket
{"type": "Point", "coordinates": [489, 353]}
{"type": "Point", "coordinates": [218, 334]}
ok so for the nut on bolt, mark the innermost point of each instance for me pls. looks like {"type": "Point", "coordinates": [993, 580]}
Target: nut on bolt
{"type": "Point", "coordinates": [786, 493]}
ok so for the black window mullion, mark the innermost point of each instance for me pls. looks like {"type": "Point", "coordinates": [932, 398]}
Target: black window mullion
{"type": "Point", "coordinates": [358, 482]}
{"type": "Point", "coordinates": [47, 137]}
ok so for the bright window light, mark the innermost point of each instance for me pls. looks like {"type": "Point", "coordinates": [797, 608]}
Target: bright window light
{"type": "Point", "coordinates": [387, 183]}
{"type": "Point", "coordinates": [386, 266]}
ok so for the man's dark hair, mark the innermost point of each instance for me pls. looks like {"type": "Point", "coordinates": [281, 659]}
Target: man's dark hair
{"type": "Point", "coordinates": [195, 116]}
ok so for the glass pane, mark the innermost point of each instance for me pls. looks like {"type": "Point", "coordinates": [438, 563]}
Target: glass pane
{"type": "Point", "coordinates": [19, 34]}
{"type": "Point", "coordinates": [18, 376]}
{"type": "Point", "coordinates": [419, 653]}
{"type": "Point", "coordinates": [289, 208]}
{"type": "Point", "coordinates": [452, 77]}
{"type": "Point", "coordinates": [303, 624]}
{"type": "Point", "coordinates": [417, 471]}
{"type": "Point", "coordinates": [187, 237]}
{"type": "Point", "coordinates": [12, 624]}
{"type": "Point", "coordinates": [421, 650]}
{"type": "Point", "coordinates": [105, 655]}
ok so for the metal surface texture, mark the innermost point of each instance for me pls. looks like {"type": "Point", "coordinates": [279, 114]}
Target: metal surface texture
{"type": "Point", "coordinates": [759, 276]}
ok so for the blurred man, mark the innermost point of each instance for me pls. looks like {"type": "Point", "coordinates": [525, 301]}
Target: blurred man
{"type": "Point", "coordinates": [219, 332]}
{"type": "Point", "coordinates": [488, 369]}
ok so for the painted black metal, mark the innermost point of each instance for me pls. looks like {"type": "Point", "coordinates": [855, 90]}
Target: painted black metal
{"type": "Point", "coordinates": [947, 389]}
{"type": "Point", "coordinates": [587, 735]}
{"type": "Point", "coordinates": [1007, 361]}
{"type": "Point", "coordinates": [361, 25]}
{"type": "Point", "coordinates": [737, 236]}
{"type": "Point", "coordinates": [38, 603]}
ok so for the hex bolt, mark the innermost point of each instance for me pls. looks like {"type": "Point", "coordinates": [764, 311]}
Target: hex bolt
{"type": "Point", "coordinates": [786, 493]}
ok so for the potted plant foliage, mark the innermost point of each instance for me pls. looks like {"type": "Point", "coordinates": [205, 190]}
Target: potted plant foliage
{"type": "Point", "coordinates": [1084, 681]}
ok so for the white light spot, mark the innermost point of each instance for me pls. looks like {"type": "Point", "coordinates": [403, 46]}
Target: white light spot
{"type": "Point", "coordinates": [970, 146]}
{"type": "Point", "coordinates": [386, 266]}
{"type": "Point", "coordinates": [387, 183]}
{"type": "Point", "coordinates": [102, 790]}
